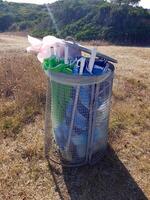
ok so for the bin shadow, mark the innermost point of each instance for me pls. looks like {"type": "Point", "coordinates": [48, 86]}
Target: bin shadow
{"type": "Point", "coordinates": [108, 180]}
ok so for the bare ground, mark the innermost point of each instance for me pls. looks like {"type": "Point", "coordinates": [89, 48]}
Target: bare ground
{"type": "Point", "coordinates": [124, 173]}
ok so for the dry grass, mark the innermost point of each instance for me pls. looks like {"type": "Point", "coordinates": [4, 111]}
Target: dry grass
{"type": "Point", "coordinates": [22, 95]}
{"type": "Point", "coordinates": [122, 175]}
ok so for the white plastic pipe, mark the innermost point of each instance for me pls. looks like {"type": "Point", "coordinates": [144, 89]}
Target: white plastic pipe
{"type": "Point", "coordinates": [58, 51]}
{"type": "Point", "coordinates": [92, 60]}
{"type": "Point", "coordinates": [66, 54]}
{"type": "Point", "coordinates": [82, 65]}
{"type": "Point", "coordinates": [75, 105]}
{"type": "Point", "coordinates": [52, 51]}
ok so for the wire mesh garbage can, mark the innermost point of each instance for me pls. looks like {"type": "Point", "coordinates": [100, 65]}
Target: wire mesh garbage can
{"type": "Point", "coordinates": [80, 107]}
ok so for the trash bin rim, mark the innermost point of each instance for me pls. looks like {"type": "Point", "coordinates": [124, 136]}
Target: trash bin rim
{"type": "Point", "coordinates": [74, 80]}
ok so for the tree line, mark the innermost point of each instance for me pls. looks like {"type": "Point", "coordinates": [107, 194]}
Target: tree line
{"type": "Point", "coordinates": [116, 21]}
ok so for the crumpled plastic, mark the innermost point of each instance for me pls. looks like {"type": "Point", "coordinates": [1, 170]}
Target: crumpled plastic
{"type": "Point", "coordinates": [43, 48]}
{"type": "Point", "coordinates": [55, 65]}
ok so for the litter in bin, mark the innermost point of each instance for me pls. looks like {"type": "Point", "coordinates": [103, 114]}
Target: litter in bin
{"type": "Point", "coordinates": [80, 113]}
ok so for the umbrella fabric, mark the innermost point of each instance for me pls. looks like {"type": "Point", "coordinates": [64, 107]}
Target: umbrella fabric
{"type": "Point", "coordinates": [60, 93]}
{"type": "Point", "coordinates": [60, 97]}
{"type": "Point", "coordinates": [99, 68]}
{"type": "Point", "coordinates": [57, 65]}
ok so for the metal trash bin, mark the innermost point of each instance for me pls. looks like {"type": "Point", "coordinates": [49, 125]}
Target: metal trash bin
{"type": "Point", "coordinates": [80, 107]}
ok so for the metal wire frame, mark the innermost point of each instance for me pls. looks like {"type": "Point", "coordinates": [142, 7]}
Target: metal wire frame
{"type": "Point", "coordinates": [48, 135]}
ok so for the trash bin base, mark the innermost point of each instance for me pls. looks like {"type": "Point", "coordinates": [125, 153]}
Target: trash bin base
{"type": "Point", "coordinates": [55, 157]}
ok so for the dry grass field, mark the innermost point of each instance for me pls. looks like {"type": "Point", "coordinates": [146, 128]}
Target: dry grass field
{"type": "Point", "coordinates": [123, 174]}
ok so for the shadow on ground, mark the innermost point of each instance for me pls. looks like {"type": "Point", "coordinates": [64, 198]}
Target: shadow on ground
{"type": "Point", "coordinates": [108, 180]}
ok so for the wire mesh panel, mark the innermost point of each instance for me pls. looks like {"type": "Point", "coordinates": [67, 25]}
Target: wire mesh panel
{"type": "Point", "coordinates": [80, 117]}
{"type": "Point", "coordinates": [70, 119]}
{"type": "Point", "coordinates": [100, 125]}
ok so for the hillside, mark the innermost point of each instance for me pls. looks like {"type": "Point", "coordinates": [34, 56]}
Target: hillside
{"type": "Point", "coordinates": [122, 174]}
{"type": "Point", "coordinates": [99, 20]}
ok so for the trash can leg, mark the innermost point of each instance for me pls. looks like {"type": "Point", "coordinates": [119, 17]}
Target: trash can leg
{"type": "Point", "coordinates": [48, 139]}
{"type": "Point", "coordinates": [90, 123]}
{"type": "Point", "coordinates": [97, 87]}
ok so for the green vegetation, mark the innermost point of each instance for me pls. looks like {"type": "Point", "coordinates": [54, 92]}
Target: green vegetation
{"type": "Point", "coordinates": [117, 21]}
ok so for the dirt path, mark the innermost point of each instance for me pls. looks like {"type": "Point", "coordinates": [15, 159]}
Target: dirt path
{"type": "Point", "coordinates": [123, 174]}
